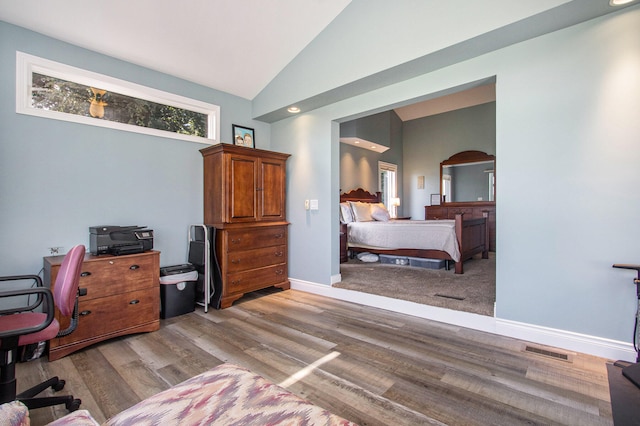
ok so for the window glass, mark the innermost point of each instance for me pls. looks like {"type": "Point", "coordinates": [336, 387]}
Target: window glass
{"type": "Point", "coordinates": [62, 92]}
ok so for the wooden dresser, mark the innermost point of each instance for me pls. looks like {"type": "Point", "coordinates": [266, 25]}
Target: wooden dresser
{"type": "Point", "coordinates": [244, 199]}
{"type": "Point", "coordinates": [122, 297]}
{"type": "Point", "coordinates": [471, 210]}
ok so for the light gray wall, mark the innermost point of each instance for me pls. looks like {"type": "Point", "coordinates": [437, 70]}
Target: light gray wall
{"type": "Point", "coordinates": [359, 166]}
{"type": "Point", "coordinates": [430, 140]}
{"type": "Point", "coordinates": [361, 48]}
{"type": "Point", "coordinates": [313, 144]}
{"type": "Point", "coordinates": [58, 178]}
{"type": "Point", "coordinates": [567, 155]}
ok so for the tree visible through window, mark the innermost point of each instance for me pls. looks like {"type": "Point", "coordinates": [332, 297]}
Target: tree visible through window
{"type": "Point", "coordinates": [55, 94]}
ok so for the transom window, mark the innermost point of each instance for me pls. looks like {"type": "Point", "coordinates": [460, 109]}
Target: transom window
{"type": "Point", "coordinates": [53, 90]}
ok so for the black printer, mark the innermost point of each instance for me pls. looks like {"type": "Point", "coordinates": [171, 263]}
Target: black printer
{"type": "Point", "coordinates": [119, 240]}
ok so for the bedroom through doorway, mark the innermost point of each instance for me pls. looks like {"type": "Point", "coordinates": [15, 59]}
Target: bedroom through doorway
{"type": "Point", "coordinates": [416, 138]}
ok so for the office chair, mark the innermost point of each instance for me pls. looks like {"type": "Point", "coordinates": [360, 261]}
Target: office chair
{"type": "Point", "coordinates": [20, 325]}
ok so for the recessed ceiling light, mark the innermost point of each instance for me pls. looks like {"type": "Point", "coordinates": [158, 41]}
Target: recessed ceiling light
{"type": "Point", "coordinates": [293, 110]}
{"type": "Point", "coordinates": [356, 141]}
{"type": "Point", "coordinates": [619, 2]}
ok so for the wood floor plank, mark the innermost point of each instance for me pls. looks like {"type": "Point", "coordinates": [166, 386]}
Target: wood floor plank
{"type": "Point", "coordinates": [142, 379]}
{"type": "Point", "coordinates": [105, 383]}
{"type": "Point", "coordinates": [118, 351]}
{"type": "Point", "coordinates": [337, 394]}
{"type": "Point", "coordinates": [75, 385]}
{"type": "Point", "coordinates": [368, 365]}
{"type": "Point", "coordinates": [552, 406]}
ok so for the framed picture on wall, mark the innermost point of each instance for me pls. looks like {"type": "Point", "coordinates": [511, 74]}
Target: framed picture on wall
{"type": "Point", "coordinates": [435, 199]}
{"type": "Point", "coordinates": [243, 136]}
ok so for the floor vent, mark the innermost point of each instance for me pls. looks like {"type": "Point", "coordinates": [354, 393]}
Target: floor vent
{"type": "Point", "coordinates": [450, 297]}
{"type": "Point", "coordinates": [545, 352]}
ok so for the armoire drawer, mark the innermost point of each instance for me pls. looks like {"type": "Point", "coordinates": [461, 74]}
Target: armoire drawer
{"type": "Point", "coordinates": [257, 258]}
{"type": "Point", "coordinates": [254, 279]}
{"type": "Point", "coordinates": [251, 238]}
{"type": "Point", "coordinates": [111, 314]}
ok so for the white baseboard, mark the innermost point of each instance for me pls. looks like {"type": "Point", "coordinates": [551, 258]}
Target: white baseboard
{"type": "Point", "coordinates": [593, 345]}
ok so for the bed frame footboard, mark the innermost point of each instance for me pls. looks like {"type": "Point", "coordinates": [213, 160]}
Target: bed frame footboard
{"type": "Point", "coordinates": [473, 238]}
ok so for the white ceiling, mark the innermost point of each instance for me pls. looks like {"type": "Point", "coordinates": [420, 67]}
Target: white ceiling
{"type": "Point", "coordinates": [236, 46]}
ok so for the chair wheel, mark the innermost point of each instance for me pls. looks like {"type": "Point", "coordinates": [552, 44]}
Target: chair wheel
{"type": "Point", "coordinates": [73, 405]}
{"type": "Point", "coordinates": [58, 386]}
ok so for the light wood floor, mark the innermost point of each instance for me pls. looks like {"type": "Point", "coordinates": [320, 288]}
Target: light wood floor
{"type": "Point", "coordinates": [370, 366]}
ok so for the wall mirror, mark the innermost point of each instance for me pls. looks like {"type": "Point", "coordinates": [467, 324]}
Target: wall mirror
{"type": "Point", "coordinates": [468, 176]}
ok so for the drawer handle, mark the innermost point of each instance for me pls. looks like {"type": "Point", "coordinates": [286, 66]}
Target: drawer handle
{"type": "Point", "coordinates": [279, 271]}
{"type": "Point", "coordinates": [85, 313]}
{"type": "Point", "coordinates": [278, 236]}
{"type": "Point", "coordinates": [85, 274]}
{"type": "Point", "coordinates": [235, 240]}
{"type": "Point", "coordinates": [82, 291]}
{"type": "Point", "coordinates": [134, 267]}
{"type": "Point", "coordinates": [235, 261]}
{"type": "Point", "coordinates": [235, 282]}
{"type": "Point", "coordinates": [134, 302]}
{"type": "Point", "coordinates": [279, 254]}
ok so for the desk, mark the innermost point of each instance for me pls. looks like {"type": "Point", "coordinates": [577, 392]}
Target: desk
{"type": "Point", "coordinates": [122, 297]}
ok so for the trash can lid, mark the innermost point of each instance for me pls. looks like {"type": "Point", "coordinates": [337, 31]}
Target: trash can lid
{"type": "Point", "coordinates": [178, 278]}
{"type": "Point", "coordinates": [176, 269]}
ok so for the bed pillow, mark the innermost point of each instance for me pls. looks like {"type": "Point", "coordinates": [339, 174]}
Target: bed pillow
{"type": "Point", "coordinates": [380, 213]}
{"type": "Point", "coordinates": [346, 214]}
{"type": "Point", "coordinates": [361, 211]}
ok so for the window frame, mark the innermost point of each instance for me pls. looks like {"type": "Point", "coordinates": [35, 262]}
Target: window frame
{"type": "Point", "coordinates": [27, 64]}
{"type": "Point", "coordinates": [393, 191]}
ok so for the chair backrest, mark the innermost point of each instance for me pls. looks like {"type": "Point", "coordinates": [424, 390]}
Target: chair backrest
{"type": "Point", "coordinates": [68, 280]}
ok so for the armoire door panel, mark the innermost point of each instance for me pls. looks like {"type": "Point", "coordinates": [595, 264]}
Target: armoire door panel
{"type": "Point", "coordinates": [243, 179]}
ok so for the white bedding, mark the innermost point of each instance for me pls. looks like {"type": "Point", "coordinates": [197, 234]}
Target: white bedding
{"type": "Point", "coordinates": [409, 234]}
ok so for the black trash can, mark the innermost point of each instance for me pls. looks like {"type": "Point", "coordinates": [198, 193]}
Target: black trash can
{"type": "Point", "coordinates": [177, 290]}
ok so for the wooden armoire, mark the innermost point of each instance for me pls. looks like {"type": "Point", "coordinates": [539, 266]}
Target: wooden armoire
{"type": "Point", "coordinates": [244, 199]}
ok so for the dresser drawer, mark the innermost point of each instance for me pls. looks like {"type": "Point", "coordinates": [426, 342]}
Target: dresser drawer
{"type": "Point", "coordinates": [257, 258]}
{"type": "Point", "coordinates": [252, 238]}
{"type": "Point", "coordinates": [432, 213]}
{"type": "Point", "coordinates": [467, 211]}
{"type": "Point", "coordinates": [256, 279]}
{"type": "Point", "coordinates": [117, 275]}
{"type": "Point", "coordinates": [112, 314]}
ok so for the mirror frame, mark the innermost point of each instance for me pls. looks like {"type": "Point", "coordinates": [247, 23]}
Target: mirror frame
{"type": "Point", "coordinates": [466, 157]}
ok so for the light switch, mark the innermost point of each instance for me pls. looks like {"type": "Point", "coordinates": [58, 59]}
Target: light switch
{"type": "Point", "coordinates": [314, 204]}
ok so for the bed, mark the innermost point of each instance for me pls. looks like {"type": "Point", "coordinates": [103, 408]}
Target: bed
{"type": "Point", "coordinates": [454, 240]}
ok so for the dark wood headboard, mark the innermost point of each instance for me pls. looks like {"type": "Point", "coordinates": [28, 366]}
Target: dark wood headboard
{"type": "Point", "coordinates": [360, 195]}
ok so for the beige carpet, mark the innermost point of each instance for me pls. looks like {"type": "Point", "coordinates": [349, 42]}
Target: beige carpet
{"type": "Point", "coordinates": [474, 291]}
